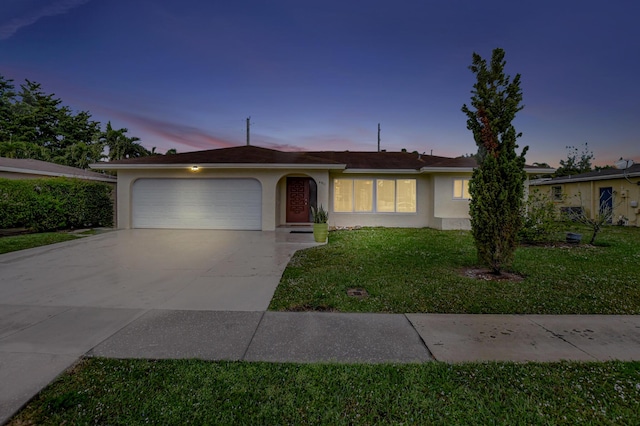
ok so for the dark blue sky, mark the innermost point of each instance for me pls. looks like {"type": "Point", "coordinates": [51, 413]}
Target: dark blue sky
{"type": "Point", "coordinates": [322, 75]}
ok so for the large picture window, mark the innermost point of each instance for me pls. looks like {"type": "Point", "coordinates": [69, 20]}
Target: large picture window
{"type": "Point", "coordinates": [461, 189]}
{"type": "Point", "coordinates": [343, 195]}
{"type": "Point", "coordinates": [374, 195]}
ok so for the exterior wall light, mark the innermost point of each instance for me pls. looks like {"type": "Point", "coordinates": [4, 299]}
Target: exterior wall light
{"type": "Point", "coordinates": [194, 168]}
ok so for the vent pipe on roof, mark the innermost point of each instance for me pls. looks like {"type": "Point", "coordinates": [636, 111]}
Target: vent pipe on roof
{"type": "Point", "coordinates": [378, 137]}
{"type": "Point", "coordinates": [248, 126]}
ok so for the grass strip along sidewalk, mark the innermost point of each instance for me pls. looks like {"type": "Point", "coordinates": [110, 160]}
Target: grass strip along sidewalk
{"type": "Point", "coordinates": [131, 392]}
{"type": "Point", "coordinates": [423, 270]}
{"type": "Point", "coordinates": [26, 241]}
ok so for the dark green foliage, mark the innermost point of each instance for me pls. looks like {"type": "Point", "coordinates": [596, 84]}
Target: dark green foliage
{"type": "Point", "coordinates": [54, 203]}
{"type": "Point", "coordinates": [497, 184]}
{"type": "Point", "coordinates": [120, 145]}
{"type": "Point", "coordinates": [36, 125]}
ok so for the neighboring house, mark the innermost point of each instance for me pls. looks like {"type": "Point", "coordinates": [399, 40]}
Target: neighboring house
{"type": "Point", "coordinates": [253, 188]}
{"type": "Point", "coordinates": [18, 168]}
{"type": "Point", "coordinates": [593, 191]}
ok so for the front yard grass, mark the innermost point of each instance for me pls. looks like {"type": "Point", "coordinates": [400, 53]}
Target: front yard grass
{"type": "Point", "coordinates": [132, 392]}
{"type": "Point", "coordinates": [26, 241]}
{"type": "Point", "coordinates": [420, 270]}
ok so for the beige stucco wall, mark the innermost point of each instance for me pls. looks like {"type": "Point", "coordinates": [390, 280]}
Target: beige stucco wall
{"type": "Point", "coordinates": [436, 207]}
{"type": "Point", "coordinates": [587, 195]}
{"type": "Point", "coordinates": [270, 180]}
{"type": "Point", "coordinates": [448, 212]}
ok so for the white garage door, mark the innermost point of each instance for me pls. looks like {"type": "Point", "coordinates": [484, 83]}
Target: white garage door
{"type": "Point", "coordinates": [197, 204]}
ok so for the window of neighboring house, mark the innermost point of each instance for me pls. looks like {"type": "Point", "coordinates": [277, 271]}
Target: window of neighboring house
{"type": "Point", "coordinates": [556, 193]}
{"type": "Point", "coordinates": [461, 189]}
{"type": "Point", "coordinates": [390, 195]}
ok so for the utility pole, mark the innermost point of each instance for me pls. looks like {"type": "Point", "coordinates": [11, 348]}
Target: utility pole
{"type": "Point", "coordinates": [378, 137]}
{"type": "Point", "coordinates": [248, 126]}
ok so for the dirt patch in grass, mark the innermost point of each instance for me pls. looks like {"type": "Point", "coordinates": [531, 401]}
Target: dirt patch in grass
{"type": "Point", "coordinates": [487, 275]}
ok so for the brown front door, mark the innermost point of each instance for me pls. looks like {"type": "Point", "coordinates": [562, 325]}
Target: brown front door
{"type": "Point", "coordinates": [297, 199]}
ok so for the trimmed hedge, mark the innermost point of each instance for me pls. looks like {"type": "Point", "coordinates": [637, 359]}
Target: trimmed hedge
{"type": "Point", "coordinates": [50, 204]}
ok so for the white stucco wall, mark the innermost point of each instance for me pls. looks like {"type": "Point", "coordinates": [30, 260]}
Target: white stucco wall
{"type": "Point", "coordinates": [436, 206]}
{"type": "Point", "coordinates": [268, 178]}
{"type": "Point", "coordinates": [449, 213]}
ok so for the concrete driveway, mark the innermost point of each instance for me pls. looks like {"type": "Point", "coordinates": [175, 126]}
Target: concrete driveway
{"type": "Point", "coordinates": [145, 269]}
{"type": "Point", "coordinates": [59, 301]}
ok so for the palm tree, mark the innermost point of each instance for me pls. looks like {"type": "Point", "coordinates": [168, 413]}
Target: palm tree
{"type": "Point", "coordinates": [120, 145]}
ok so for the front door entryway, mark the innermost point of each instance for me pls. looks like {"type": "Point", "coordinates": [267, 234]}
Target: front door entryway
{"type": "Point", "coordinates": [606, 202]}
{"type": "Point", "coordinates": [298, 199]}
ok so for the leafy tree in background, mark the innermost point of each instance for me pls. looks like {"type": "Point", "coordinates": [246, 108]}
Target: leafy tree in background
{"type": "Point", "coordinates": [497, 184]}
{"type": "Point", "coordinates": [576, 162]}
{"type": "Point", "coordinates": [120, 145]}
{"type": "Point", "coordinates": [34, 124]}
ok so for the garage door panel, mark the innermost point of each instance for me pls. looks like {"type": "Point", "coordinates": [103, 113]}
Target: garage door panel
{"type": "Point", "coordinates": [197, 204]}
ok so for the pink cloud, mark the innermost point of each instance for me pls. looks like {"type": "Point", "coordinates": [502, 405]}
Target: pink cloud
{"type": "Point", "coordinates": [174, 133]}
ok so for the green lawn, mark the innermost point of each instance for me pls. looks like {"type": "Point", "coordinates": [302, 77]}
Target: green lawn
{"type": "Point", "coordinates": [21, 242]}
{"type": "Point", "coordinates": [420, 270]}
{"type": "Point", "coordinates": [132, 392]}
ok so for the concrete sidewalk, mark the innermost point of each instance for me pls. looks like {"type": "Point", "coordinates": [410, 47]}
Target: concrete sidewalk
{"type": "Point", "coordinates": [34, 356]}
{"type": "Point", "coordinates": [203, 294]}
{"type": "Point", "coordinates": [374, 338]}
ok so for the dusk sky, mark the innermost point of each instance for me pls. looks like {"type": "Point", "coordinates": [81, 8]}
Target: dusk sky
{"type": "Point", "coordinates": [322, 75]}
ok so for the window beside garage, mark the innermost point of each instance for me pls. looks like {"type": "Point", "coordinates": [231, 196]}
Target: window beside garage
{"type": "Point", "coordinates": [374, 195]}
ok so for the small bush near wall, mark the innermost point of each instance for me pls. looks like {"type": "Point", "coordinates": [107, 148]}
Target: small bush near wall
{"type": "Point", "coordinates": [54, 203]}
{"type": "Point", "coordinates": [540, 222]}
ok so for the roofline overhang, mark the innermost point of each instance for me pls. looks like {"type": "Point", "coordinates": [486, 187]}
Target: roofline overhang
{"type": "Point", "coordinates": [383, 171]}
{"type": "Point", "coordinates": [539, 171]}
{"type": "Point", "coordinates": [447, 169]}
{"type": "Point", "coordinates": [589, 179]}
{"type": "Point", "coordinates": [527, 170]}
{"type": "Point", "coordinates": [217, 166]}
{"type": "Point", "coordinates": [56, 174]}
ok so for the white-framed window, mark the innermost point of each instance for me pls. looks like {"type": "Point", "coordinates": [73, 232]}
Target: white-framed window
{"type": "Point", "coordinates": [374, 195]}
{"type": "Point", "coordinates": [461, 189]}
{"type": "Point", "coordinates": [556, 193]}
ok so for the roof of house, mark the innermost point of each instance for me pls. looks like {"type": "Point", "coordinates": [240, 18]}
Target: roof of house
{"type": "Point", "coordinates": [254, 155]}
{"type": "Point", "coordinates": [44, 168]}
{"type": "Point", "coordinates": [602, 174]}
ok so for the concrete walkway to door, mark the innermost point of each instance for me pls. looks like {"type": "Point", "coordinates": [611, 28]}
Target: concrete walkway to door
{"type": "Point", "coordinates": [59, 301]}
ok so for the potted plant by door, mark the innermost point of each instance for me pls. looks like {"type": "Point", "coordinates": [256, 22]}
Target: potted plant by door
{"type": "Point", "coordinates": [320, 225]}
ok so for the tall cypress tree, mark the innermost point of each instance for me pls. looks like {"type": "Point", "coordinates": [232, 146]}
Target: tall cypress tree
{"type": "Point", "coordinates": [497, 184]}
